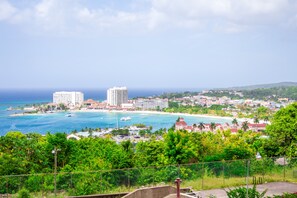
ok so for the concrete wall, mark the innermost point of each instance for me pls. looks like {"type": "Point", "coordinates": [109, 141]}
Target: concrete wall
{"type": "Point", "coordinates": [115, 195]}
{"type": "Point", "coordinates": [153, 192]}
{"type": "Point", "coordinates": [181, 196]}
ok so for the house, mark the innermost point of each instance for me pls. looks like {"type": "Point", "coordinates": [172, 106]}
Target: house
{"type": "Point", "coordinates": [180, 124]}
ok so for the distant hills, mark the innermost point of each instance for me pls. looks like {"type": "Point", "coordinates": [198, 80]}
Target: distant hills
{"type": "Point", "coordinates": [263, 86]}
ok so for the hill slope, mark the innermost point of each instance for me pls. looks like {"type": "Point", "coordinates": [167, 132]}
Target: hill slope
{"type": "Point", "coordinates": [264, 86]}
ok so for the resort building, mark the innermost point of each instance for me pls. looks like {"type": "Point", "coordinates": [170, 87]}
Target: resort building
{"type": "Point", "coordinates": [68, 98]}
{"type": "Point", "coordinates": [151, 103]}
{"type": "Point", "coordinates": [182, 125]}
{"type": "Point", "coordinates": [117, 96]}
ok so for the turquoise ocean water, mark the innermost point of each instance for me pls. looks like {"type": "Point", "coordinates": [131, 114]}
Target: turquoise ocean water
{"type": "Point", "coordinates": [58, 122]}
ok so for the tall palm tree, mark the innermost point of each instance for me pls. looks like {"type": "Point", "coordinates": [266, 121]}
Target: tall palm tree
{"type": "Point", "coordinates": [212, 126]}
{"type": "Point", "coordinates": [266, 119]}
{"type": "Point", "coordinates": [235, 122]}
{"type": "Point", "coordinates": [256, 121]}
{"type": "Point", "coordinates": [245, 126]}
{"type": "Point", "coordinates": [201, 126]}
{"type": "Point", "coordinates": [194, 126]}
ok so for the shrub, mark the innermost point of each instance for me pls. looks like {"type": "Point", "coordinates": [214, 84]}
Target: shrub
{"type": "Point", "coordinates": [24, 193]}
{"type": "Point", "coordinates": [241, 192]}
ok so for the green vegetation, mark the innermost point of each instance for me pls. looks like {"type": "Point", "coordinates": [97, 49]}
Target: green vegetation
{"type": "Point", "coordinates": [139, 125]}
{"type": "Point", "coordinates": [258, 93]}
{"type": "Point", "coordinates": [174, 107]}
{"type": "Point", "coordinates": [222, 93]}
{"type": "Point", "coordinates": [272, 93]}
{"type": "Point", "coordinates": [178, 95]}
{"type": "Point", "coordinates": [283, 130]}
{"type": "Point", "coordinates": [120, 132]}
{"type": "Point", "coordinates": [24, 193]}
{"type": "Point", "coordinates": [94, 165]}
{"type": "Point", "coordinates": [244, 192]}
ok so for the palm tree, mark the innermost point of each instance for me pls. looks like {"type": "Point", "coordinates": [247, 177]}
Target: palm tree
{"type": "Point", "coordinates": [194, 127]}
{"type": "Point", "coordinates": [266, 119]}
{"type": "Point", "coordinates": [245, 126]}
{"type": "Point", "coordinates": [212, 126]}
{"type": "Point", "coordinates": [256, 121]}
{"type": "Point", "coordinates": [235, 122]}
{"type": "Point", "coordinates": [201, 126]}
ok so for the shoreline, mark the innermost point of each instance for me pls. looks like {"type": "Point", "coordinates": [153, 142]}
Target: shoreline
{"type": "Point", "coordinates": [135, 112]}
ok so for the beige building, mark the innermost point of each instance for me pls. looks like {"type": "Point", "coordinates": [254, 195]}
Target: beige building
{"type": "Point", "coordinates": [68, 98]}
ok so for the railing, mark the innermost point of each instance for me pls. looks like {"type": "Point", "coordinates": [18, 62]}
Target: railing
{"type": "Point", "coordinates": [200, 176]}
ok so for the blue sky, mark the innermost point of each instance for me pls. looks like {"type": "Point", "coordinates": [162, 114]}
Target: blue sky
{"type": "Point", "coordinates": [147, 43]}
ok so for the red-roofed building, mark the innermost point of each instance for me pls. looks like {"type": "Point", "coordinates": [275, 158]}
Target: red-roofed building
{"type": "Point", "coordinates": [181, 124]}
{"type": "Point", "coordinates": [234, 130]}
{"type": "Point", "coordinates": [257, 127]}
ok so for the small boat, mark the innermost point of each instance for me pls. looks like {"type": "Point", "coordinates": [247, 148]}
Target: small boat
{"type": "Point", "coordinates": [68, 115]}
{"type": "Point", "coordinates": [9, 109]}
{"type": "Point", "coordinates": [125, 118]}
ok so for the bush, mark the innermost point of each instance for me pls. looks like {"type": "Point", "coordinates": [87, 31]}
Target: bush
{"type": "Point", "coordinates": [241, 192]}
{"type": "Point", "coordinates": [24, 193]}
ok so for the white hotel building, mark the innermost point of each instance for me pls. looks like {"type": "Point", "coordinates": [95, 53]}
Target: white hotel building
{"type": "Point", "coordinates": [68, 98]}
{"type": "Point", "coordinates": [117, 96]}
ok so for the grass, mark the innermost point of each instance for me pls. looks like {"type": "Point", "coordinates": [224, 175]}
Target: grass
{"type": "Point", "coordinates": [208, 181]}
{"type": "Point", "coordinates": [212, 182]}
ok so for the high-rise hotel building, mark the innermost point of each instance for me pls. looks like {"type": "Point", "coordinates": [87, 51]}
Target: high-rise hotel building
{"type": "Point", "coordinates": [68, 98]}
{"type": "Point", "coordinates": [117, 96]}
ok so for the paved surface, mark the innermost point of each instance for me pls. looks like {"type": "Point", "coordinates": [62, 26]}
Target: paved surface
{"type": "Point", "coordinates": [274, 188]}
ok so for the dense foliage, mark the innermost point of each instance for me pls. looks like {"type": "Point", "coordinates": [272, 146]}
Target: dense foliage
{"type": "Point", "coordinates": [178, 94]}
{"type": "Point", "coordinates": [79, 161]}
{"type": "Point", "coordinates": [272, 93]}
{"type": "Point", "coordinates": [283, 130]}
{"type": "Point", "coordinates": [245, 192]}
{"type": "Point", "coordinates": [174, 107]}
{"type": "Point", "coordinates": [258, 94]}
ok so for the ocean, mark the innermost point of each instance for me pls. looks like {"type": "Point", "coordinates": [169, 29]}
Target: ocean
{"type": "Point", "coordinates": [59, 122]}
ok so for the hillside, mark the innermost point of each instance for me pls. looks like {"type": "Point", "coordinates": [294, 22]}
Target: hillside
{"type": "Point", "coordinates": [263, 86]}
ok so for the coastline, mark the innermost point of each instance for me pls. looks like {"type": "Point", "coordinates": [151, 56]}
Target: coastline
{"type": "Point", "coordinates": [136, 112]}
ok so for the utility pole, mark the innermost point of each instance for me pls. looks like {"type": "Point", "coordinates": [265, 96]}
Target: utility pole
{"type": "Point", "coordinates": [247, 178]}
{"type": "Point", "coordinates": [55, 152]}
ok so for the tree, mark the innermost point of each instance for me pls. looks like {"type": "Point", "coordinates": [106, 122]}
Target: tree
{"type": "Point", "coordinates": [235, 122]}
{"type": "Point", "coordinates": [245, 126]}
{"type": "Point", "coordinates": [201, 126]}
{"type": "Point", "coordinates": [212, 126]}
{"type": "Point", "coordinates": [256, 121]}
{"type": "Point", "coordinates": [178, 147]}
{"type": "Point", "coordinates": [266, 119]}
{"type": "Point", "coordinates": [283, 130]}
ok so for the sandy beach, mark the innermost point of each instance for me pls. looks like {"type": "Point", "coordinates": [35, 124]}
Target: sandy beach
{"type": "Point", "coordinates": [136, 112]}
{"type": "Point", "coordinates": [160, 113]}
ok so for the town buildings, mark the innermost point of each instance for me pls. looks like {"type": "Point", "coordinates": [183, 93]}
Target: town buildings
{"type": "Point", "coordinates": [182, 125]}
{"type": "Point", "coordinates": [116, 96]}
{"type": "Point", "coordinates": [68, 98]}
{"type": "Point", "coordinates": [151, 103]}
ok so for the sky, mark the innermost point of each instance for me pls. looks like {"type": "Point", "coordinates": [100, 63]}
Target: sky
{"type": "Point", "coordinates": [146, 43]}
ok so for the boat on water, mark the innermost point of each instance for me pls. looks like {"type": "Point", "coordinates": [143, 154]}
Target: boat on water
{"type": "Point", "coordinates": [125, 118]}
{"type": "Point", "coordinates": [9, 109]}
{"type": "Point", "coordinates": [68, 115]}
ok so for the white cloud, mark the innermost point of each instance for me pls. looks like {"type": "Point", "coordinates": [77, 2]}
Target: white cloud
{"type": "Point", "coordinates": [240, 12]}
{"type": "Point", "coordinates": [230, 16]}
{"type": "Point", "coordinates": [6, 10]}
